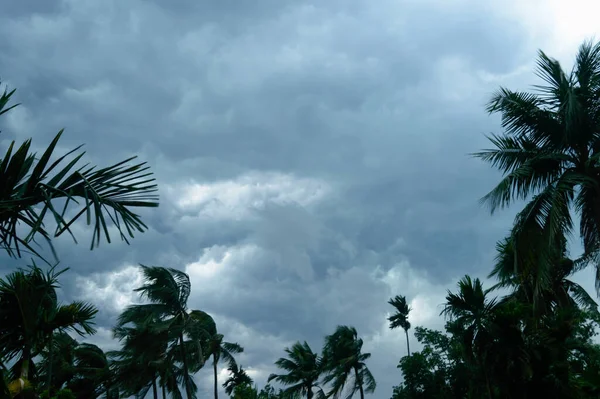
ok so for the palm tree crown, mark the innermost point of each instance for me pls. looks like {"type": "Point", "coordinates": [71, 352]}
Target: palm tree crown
{"type": "Point", "coordinates": [550, 150]}
{"type": "Point", "coordinates": [400, 318]}
{"type": "Point", "coordinates": [303, 368]}
{"type": "Point", "coordinates": [344, 360]}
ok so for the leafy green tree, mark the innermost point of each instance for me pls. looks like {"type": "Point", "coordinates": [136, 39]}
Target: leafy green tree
{"type": "Point", "coordinates": [30, 313]}
{"type": "Point", "coordinates": [344, 361]}
{"type": "Point", "coordinates": [549, 153]}
{"type": "Point", "coordinates": [32, 184]}
{"type": "Point", "coordinates": [400, 318]}
{"type": "Point", "coordinates": [237, 378]}
{"type": "Point", "coordinates": [303, 367]}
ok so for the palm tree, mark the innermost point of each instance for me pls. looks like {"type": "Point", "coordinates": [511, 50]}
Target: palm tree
{"type": "Point", "coordinates": [168, 291]}
{"type": "Point", "coordinates": [147, 358]}
{"type": "Point", "coordinates": [62, 357]}
{"type": "Point", "coordinates": [29, 180]}
{"type": "Point", "coordinates": [400, 318]}
{"type": "Point", "coordinates": [93, 375]}
{"type": "Point", "coordinates": [518, 268]}
{"type": "Point", "coordinates": [30, 313]}
{"type": "Point", "coordinates": [550, 150]}
{"type": "Point", "coordinates": [343, 360]}
{"type": "Point", "coordinates": [237, 378]}
{"type": "Point", "coordinates": [303, 368]}
{"type": "Point", "coordinates": [473, 312]}
{"type": "Point", "coordinates": [215, 346]}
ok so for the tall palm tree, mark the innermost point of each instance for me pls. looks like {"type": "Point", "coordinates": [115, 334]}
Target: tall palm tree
{"type": "Point", "coordinates": [550, 150]}
{"type": "Point", "coordinates": [168, 291]}
{"type": "Point", "coordinates": [213, 341]}
{"type": "Point", "coordinates": [237, 378]}
{"type": "Point", "coordinates": [29, 181]}
{"type": "Point", "coordinates": [400, 318]}
{"type": "Point", "coordinates": [30, 312]}
{"type": "Point", "coordinates": [343, 360]}
{"type": "Point", "coordinates": [303, 368]}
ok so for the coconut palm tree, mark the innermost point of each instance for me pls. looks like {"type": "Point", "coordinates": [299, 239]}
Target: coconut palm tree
{"type": "Point", "coordinates": [32, 184]}
{"type": "Point", "coordinates": [213, 342]}
{"type": "Point", "coordinates": [400, 318]}
{"type": "Point", "coordinates": [550, 150]}
{"type": "Point", "coordinates": [343, 360]}
{"type": "Point", "coordinates": [472, 311]}
{"type": "Point", "coordinates": [148, 358]}
{"type": "Point", "coordinates": [168, 291]}
{"type": "Point", "coordinates": [303, 368]}
{"type": "Point", "coordinates": [237, 378]}
{"type": "Point", "coordinates": [517, 267]}
{"type": "Point", "coordinates": [30, 313]}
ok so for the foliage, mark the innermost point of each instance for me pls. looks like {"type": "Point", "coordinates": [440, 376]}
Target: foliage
{"type": "Point", "coordinates": [103, 195]}
{"type": "Point", "coordinates": [30, 313]}
{"type": "Point", "coordinates": [304, 368]}
{"type": "Point", "coordinates": [344, 362]}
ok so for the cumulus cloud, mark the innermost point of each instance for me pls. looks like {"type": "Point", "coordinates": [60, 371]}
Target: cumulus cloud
{"type": "Point", "coordinates": [311, 156]}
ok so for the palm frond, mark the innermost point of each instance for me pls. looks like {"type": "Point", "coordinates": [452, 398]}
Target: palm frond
{"type": "Point", "coordinates": [103, 195]}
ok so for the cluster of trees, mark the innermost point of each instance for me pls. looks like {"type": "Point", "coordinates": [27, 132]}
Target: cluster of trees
{"type": "Point", "coordinates": [163, 344]}
{"type": "Point", "coordinates": [537, 340]}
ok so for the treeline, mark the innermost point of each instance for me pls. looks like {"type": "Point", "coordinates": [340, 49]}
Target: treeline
{"type": "Point", "coordinates": [163, 344]}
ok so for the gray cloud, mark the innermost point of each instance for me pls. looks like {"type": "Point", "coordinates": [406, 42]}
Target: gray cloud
{"type": "Point", "coordinates": [312, 156]}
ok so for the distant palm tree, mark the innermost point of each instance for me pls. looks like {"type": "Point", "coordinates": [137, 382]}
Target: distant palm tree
{"type": "Point", "coordinates": [400, 318]}
{"type": "Point", "coordinates": [30, 313]}
{"type": "Point", "coordinates": [146, 358]}
{"type": "Point", "coordinates": [303, 368]}
{"type": "Point", "coordinates": [343, 361]}
{"type": "Point", "coordinates": [237, 378]}
{"type": "Point", "coordinates": [213, 341]}
{"type": "Point", "coordinates": [29, 180]}
{"type": "Point", "coordinates": [550, 151]}
{"type": "Point", "coordinates": [168, 291]}
{"type": "Point", "coordinates": [471, 309]}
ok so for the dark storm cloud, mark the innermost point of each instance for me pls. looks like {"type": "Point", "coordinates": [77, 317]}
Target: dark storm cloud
{"type": "Point", "coordinates": [377, 104]}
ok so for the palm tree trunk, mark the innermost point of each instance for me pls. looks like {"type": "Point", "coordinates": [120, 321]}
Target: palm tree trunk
{"type": "Point", "coordinates": [186, 372]}
{"type": "Point", "coordinates": [154, 389]}
{"type": "Point", "coordinates": [216, 377]}
{"type": "Point", "coordinates": [25, 363]}
{"type": "Point", "coordinates": [407, 342]}
{"type": "Point", "coordinates": [309, 392]}
{"type": "Point", "coordinates": [360, 383]}
{"type": "Point", "coordinates": [50, 356]}
{"type": "Point", "coordinates": [164, 391]}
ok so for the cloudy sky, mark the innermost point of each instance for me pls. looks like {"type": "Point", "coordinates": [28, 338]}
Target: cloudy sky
{"type": "Point", "coordinates": [312, 156]}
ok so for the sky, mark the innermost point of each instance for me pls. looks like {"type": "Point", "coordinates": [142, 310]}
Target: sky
{"type": "Point", "coordinates": [312, 157]}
